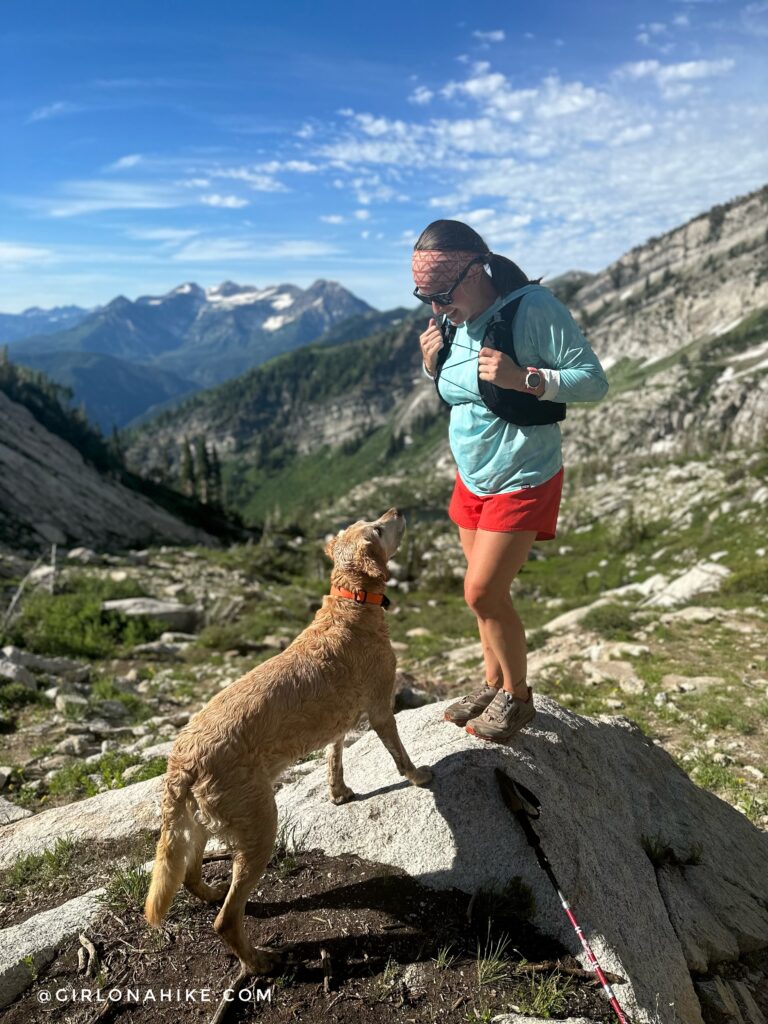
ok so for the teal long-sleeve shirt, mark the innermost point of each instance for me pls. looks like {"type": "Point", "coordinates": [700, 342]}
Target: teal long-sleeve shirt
{"type": "Point", "coordinates": [494, 456]}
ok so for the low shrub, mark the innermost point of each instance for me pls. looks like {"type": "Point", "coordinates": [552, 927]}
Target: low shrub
{"type": "Point", "coordinates": [17, 695]}
{"type": "Point", "coordinates": [74, 625]}
{"type": "Point", "coordinates": [751, 580]}
{"type": "Point", "coordinates": [613, 621]}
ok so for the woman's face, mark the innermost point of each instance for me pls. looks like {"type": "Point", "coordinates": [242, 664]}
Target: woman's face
{"type": "Point", "coordinates": [462, 306]}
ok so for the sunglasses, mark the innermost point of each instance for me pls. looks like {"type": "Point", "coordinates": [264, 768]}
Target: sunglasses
{"type": "Point", "coordinates": [444, 298]}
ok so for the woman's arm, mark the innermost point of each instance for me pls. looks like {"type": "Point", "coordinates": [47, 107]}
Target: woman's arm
{"type": "Point", "coordinates": [550, 330]}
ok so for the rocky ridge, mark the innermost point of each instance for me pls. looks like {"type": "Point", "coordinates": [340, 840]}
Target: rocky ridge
{"type": "Point", "coordinates": [699, 279]}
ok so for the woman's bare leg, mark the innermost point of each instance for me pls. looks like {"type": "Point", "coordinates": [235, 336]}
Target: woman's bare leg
{"type": "Point", "coordinates": [493, 672]}
{"type": "Point", "coordinates": [493, 561]}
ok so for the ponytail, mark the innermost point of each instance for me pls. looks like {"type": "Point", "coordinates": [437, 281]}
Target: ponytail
{"type": "Point", "coordinates": [506, 275]}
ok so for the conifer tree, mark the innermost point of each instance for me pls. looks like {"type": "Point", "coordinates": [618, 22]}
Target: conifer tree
{"type": "Point", "coordinates": [165, 465]}
{"type": "Point", "coordinates": [116, 445]}
{"type": "Point", "coordinates": [217, 489]}
{"type": "Point", "coordinates": [202, 470]}
{"type": "Point", "coordinates": [187, 483]}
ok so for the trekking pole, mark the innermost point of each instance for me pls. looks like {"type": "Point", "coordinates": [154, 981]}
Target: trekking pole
{"type": "Point", "coordinates": [525, 805]}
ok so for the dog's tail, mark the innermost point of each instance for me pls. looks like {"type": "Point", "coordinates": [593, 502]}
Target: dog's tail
{"type": "Point", "coordinates": [173, 847]}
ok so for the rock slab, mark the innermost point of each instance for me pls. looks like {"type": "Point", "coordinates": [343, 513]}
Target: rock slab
{"type": "Point", "coordinates": [604, 789]}
{"type": "Point", "coordinates": [30, 946]}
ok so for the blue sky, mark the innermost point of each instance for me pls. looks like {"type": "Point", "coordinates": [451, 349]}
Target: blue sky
{"type": "Point", "coordinates": [146, 144]}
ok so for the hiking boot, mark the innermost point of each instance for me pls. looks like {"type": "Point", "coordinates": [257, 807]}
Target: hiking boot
{"type": "Point", "coordinates": [470, 706]}
{"type": "Point", "coordinates": [504, 716]}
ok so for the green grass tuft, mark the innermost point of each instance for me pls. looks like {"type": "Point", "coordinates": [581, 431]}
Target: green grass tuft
{"type": "Point", "coordinates": [542, 995]}
{"type": "Point", "coordinates": [37, 868]}
{"type": "Point", "coordinates": [127, 889]}
{"type": "Point", "coordinates": [75, 781]}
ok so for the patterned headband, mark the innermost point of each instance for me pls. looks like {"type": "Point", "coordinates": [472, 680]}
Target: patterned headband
{"type": "Point", "coordinates": [436, 270]}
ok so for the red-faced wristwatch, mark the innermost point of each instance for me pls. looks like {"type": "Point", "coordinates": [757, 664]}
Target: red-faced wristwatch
{"type": "Point", "coordinates": [532, 378]}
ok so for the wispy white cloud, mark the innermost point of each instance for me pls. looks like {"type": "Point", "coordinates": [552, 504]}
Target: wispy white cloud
{"type": "Point", "coordinates": [226, 202]}
{"type": "Point", "coordinates": [298, 249]}
{"type": "Point", "coordinates": [494, 36]}
{"type": "Point", "coordinates": [222, 250]}
{"type": "Point", "coordinates": [58, 109]}
{"type": "Point", "coordinates": [562, 165]}
{"type": "Point", "coordinates": [292, 166]}
{"type": "Point", "coordinates": [162, 234]}
{"type": "Point", "coordinates": [93, 196]}
{"type": "Point", "coordinates": [674, 80]}
{"type": "Point", "coordinates": [133, 83]}
{"type": "Point", "coordinates": [331, 218]}
{"type": "Point", "coordinates": [125, 163]}
{"type": "Point", "coordinates": [632, 133]}
{"type": "Point", "coordinates": [253, 177]}
{"type": "Point", "coordinates": [421, 95]}
{"type": "Point", "coordinates": [13, 256]}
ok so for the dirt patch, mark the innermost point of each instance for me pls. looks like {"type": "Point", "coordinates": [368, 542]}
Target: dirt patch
{"type": "Point", "coordinates": [397, 952]}
{"type": "Point", "coordinates": [85, 867]}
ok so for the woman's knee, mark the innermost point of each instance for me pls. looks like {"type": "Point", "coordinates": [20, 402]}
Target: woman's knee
{"type": "Point", "coordinates": [486, 602]}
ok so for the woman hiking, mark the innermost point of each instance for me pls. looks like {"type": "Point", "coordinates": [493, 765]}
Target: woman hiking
{"type": "Point", "coordinates": [505, 438]}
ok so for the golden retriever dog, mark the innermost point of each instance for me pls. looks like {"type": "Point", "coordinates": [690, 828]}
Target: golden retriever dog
{"type": "Point", "coordinates": [225, 760]}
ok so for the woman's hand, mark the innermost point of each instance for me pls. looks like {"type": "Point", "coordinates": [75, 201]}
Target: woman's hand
{"type": "Point", "coordinates": [501, 370]}
{"type": "Point", "coordinates": [431, 341]}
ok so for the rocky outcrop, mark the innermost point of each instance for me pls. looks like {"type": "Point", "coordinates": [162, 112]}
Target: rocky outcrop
{"type": "Point", "coordinates": [49, 494]}
{"type": "Point", "coordinates": [613, 804]}
{"type": "Point", "coordinates": [109, 816]}
{"type": "Point", "coordinates": [665, 878]}
{"type": "Point", "coordinates": [27, 948]}
{"type": "Point", "coordinates": [699, 279]}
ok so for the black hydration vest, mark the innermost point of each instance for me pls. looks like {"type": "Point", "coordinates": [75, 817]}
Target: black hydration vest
{"type": "Point", "coordinates": [516, 407]}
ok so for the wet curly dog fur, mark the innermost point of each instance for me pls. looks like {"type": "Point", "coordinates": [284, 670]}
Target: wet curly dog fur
{"type": "Point", "coordinates": [225, 760]}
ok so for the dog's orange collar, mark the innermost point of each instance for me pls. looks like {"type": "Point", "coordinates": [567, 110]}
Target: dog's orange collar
{"type": "Point", "coordinates": [361, 596]}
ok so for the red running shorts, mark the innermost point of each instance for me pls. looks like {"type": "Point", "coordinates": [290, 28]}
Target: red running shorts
{"type": "Point", "coordinates": [532, 508]}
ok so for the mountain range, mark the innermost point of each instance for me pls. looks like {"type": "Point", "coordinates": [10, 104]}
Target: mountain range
{"type": "Point", "coordinates": [159, 347]}
{"type": "Point", "coordinates": [39, 321]}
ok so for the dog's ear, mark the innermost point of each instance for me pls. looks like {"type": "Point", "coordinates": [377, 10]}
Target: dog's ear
{"type": "Point", "coordinates": [372, 559]}
{"type": "Point", "coordinates": [331, 546]}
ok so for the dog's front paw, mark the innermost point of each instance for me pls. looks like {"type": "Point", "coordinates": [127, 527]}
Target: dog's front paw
{"type": "Point", "coordinates": [342, 795]}
{"type": "Point", "coordinates": [421, 776]}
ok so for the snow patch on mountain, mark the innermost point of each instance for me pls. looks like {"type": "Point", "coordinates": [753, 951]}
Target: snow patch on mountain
{"type": "Point", "coordinates": [274, 323]}
{"type": "Point", "coordinates": [244, 298]}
